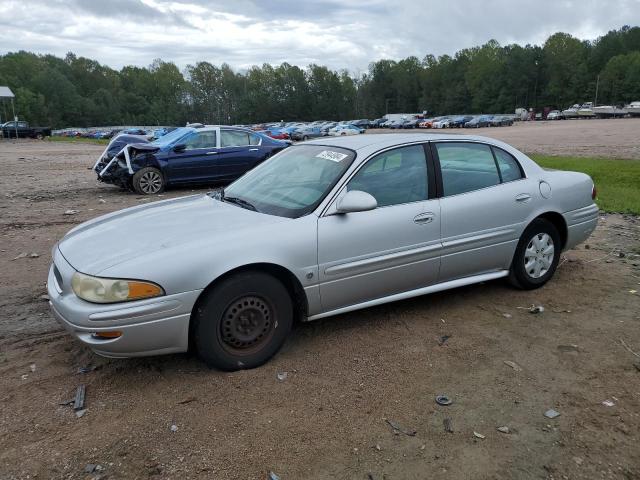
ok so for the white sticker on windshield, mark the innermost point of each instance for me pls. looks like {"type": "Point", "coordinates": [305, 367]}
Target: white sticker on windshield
{"type": "Point", "coordinates": [333, 156]}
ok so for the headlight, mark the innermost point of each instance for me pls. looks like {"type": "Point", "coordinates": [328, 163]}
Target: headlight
{"type": "Point", "coordinates": [112, 290]}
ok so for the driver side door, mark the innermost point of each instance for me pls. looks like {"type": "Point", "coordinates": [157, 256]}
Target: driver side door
{"type": "Point", "coordinates": [394, 248]}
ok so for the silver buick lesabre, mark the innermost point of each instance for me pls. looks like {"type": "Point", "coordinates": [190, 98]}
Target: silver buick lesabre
{"type": "Point", "coordinates": [322, 228]}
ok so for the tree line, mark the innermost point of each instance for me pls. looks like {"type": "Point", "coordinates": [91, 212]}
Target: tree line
{"type": "Point", "coordinates": [79, 92]}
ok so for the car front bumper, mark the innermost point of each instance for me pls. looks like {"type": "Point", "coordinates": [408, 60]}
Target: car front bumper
{"type": "Point", "coordinates": [148, 327]}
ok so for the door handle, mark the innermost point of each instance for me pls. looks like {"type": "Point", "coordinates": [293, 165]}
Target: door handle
{"type": "Point", "coordinates": [253, 149]}
{"type": "Point", "coordinates": [523, 197]}
{"type": "Point", "coordinates": [424, 218]}
{"type": "Point", "coordinates": [212, 153]}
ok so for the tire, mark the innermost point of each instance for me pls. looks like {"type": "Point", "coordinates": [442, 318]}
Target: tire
{"type": "Point", "coordinates": [148, 181]}
{"type": "Point", "coordinates": [531, 267]}
{"type": "Point", "coordinates": [222, 336]}
{"type": "Point", "coordinates": [305, 138]}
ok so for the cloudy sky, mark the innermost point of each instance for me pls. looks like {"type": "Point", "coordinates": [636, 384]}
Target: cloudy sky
{"type": "Point", "coordinates": [338, 33]}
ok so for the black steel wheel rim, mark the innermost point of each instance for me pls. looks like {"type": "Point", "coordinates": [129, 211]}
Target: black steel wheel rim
{"type": "Point", "coordinates": [248, 323]}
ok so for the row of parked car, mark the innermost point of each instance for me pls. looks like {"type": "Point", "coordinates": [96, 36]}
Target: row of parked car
{"type": "Point", "coordinates": [319, 128]}
{"type": "Point", "coordinates": [108, 134]}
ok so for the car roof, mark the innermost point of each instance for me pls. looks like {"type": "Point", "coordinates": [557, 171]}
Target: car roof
{"type": "Point", "coordinates": [384, 140]}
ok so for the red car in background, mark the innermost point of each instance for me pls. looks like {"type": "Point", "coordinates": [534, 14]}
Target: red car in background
{"type": "Point", "coordinates": [277, 134]}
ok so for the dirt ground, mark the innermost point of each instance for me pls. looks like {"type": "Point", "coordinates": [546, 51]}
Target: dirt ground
{"type": "Point", "coordinates": [613, 138]}
{"type": "Point", "coordinates": [346, 376]}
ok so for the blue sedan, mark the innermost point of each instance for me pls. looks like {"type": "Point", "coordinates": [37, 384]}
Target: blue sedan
{"type": "Point", "coordinates": [185, 156]}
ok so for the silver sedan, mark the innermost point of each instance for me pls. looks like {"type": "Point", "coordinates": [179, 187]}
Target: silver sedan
{"type": "Point", "coordinates": [322, 228]}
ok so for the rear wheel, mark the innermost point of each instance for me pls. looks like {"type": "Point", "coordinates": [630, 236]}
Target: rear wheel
{"type": "Point", "coordinates": [305, 138]}
{"type": "Point", "coordinates": [148, 181]}
{"type": "Point", "coordinates": [537, 255]}
{"type": "Point", "coordinates": [243, 322]}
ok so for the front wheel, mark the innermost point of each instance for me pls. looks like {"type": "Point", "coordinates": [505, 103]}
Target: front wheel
{"type": "Point", "coordinates": [242, 322]}
{"type": "Point", "coordinates": [537, 255]}
{"type": "Point", "coordinates": [148, 181]}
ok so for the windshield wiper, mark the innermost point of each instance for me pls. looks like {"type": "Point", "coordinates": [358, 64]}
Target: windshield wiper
{"type": "Point", "coordinates": [238, 201]}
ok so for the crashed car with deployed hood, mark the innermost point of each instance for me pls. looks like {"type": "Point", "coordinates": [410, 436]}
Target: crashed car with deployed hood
{"type": "Point", "coordinates": [184, 156]}
{"type": "Point", "coordinates": [322, 228]}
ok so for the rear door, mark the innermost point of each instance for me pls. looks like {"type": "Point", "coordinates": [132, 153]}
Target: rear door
{"type": "Point", "coordinates": [391, 249]}
{"type": "Point", "coordinates": [197, 162]}
{"type": "Point", "coordinates": [239, 152]}
{"type": "Point", "coordinates": [485, 202]}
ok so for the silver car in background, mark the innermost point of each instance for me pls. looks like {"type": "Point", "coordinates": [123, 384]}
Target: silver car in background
{"type": "Point", "coordinates": [322, 228]}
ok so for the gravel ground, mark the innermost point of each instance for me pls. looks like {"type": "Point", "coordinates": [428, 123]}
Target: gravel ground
{"type": "Point", "coordinates": [347, 377]}
{"type": "Point", "coordinates": [612, 138]}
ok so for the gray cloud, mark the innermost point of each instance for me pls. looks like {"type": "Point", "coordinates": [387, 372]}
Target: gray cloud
{"type": "Point", "coordinates": [336, 33]}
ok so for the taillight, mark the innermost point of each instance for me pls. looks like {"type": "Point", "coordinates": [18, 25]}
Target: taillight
{"type": "Point", "coordinates": [594, 192]}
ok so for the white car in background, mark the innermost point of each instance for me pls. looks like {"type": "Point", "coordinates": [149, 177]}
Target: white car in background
{"type": "Point", "coordinates": [343, 130]}
{"type": "Point", "coordinates": [442, 123]}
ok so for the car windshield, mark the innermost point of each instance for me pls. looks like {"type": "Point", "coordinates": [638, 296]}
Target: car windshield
{"type": "Point", "coordinates": [171, 137]}
{"type": "Point", "coordinates": [293, 182]}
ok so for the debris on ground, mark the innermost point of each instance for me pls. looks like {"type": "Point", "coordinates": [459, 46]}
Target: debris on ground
{"type": "Point", "coordinates": [568, 348]}
{"type": "Point", "coordinates": [624, 344]}
{"type": "Point", "coordinates": [102, 200]}
{"type": "Point", "coordinates": [608, 403]}
{"type": "Point", "coordinates": [272, 476]}
{"type": "Point", "coordinates": [33, 255]}
{"type": "Point", "coordinates": [513, 365]}
{"type": "Point", "coordinates": [87, 369]}
{"type": "Point", "coordinates": [22, 255]}
{"type": "Point", "coordinates": [173, 428]}
{"type": "Point", "coordinates": [536, 309]}
{"type": "Point", "coordinates": [551, 413]}
{"type": "Point", "coordinates": [506, 315]}
{"type": "Point", "coordinates": [90, 468]}
{"type": "Point", "coordinates": [397, 429]}
{"type": "Point", "coordinates": [633, 291]}
{"type": "Point", "coordinates": [186, 400]}
{"type": "Point", "coordinates": [44, 297]}
{"type": "Point", "coordinates": [479, 435]}
{"type": "Point", "coordinates": [282, 376]}
{"type": "Point", "coordinates": [78, 403]}
{"type": "Point", "coordinates": [443, 339]}
{"type": "Point", "coordinates": [24, 376]}
{"type": "Point", "coordinates": [32, 367]}
{"type": "Point", "coordinates": [80, 413]}
{"type": "Point", "coordinates": [70, 212]}
{"type": "Point", "coordinates": [448, 425]}
{"type": "Point", "coordinates": [504, 429]}
{"type": "Point", "coordinates": [443, 400]}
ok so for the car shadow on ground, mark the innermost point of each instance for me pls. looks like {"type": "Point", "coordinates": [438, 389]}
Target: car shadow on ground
{"type": "Point", "coordinates": [306, 336]}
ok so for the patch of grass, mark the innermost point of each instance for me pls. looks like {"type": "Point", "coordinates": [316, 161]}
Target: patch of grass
{"type": "Point", "coordinates": [617, 181]}
{"type": "Point", "coordinates": [97, 141]}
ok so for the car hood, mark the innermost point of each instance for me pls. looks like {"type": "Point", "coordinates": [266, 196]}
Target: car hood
{"type": "Point", "coordinates": [112, 239]}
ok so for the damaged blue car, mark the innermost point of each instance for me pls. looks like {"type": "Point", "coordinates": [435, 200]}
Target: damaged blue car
{"type": "Point", "coordinates": [185, 156]}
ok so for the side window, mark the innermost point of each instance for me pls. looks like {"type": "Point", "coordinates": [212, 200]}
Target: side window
{"type": "Point", "coordinates": [394, 177]}
{"type": "Point", "coordinates": [201, 140]}
{"type": "Point", "coordinates": [466, 167]}
{"type": "Point", "coordinates": [509, 167]}
{"type": "Point", "coordinates": [254, 139]}
{"type": "Point", "coordinates": [22, 124]}
{"type": "Point", "coordinates": [233, 138]}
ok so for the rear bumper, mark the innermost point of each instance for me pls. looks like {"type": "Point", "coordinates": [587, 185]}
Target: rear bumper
{"type": "Point", "coordinates": [580, 224]}
{"type": "Point", "coordinates": [148, 327]}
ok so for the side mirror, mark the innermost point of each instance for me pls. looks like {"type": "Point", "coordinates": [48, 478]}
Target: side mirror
{"type": "Point", "coordinates": [181, 147]}
{"type": "Point", "coordinates": [356, 201]}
